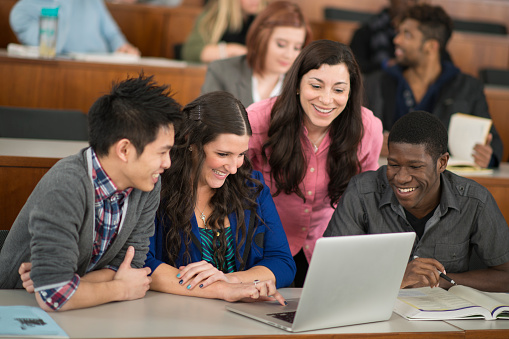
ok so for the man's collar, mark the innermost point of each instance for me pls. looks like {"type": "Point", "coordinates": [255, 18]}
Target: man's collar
{"type": "Point", "coordinates": [105, 187]}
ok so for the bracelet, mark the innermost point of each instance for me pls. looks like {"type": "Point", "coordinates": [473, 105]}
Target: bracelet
{"type": "Point", "coordinates": [222, 50]}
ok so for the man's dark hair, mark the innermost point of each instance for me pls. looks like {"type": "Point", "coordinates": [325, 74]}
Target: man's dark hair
{"type": "Point", "coordinates": [421, 128]}
{"type": "Point", "coordinates": [434, 23]}
{"type": "Point", "coordinates": [135, 109]}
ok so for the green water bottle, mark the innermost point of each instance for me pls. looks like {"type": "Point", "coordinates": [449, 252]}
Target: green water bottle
{"type": "Point", "coordinates": [48, 24]}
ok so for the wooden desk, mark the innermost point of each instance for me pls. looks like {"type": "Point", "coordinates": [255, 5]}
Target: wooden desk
{"type": "Point", "coordinates": [155, 30]}
{"type": "Point", "coordinates": [165, 315]}
{"type": "Point", "coordinates": [70, 84]}
{"type": "Point", "coordinates": [23, 162]}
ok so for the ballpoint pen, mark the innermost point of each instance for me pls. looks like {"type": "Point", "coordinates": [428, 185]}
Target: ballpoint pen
{"type": "Point", "coordinates": [442, 275]}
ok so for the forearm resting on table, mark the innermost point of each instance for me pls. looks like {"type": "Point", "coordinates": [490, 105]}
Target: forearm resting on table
{"type": "Point", "coordinates": [164, 279]}
{"type": "Point", "coordinates": [102, 275]}
{"type": "Point", "coordinates": [254, 273]}
{"type": "Point", "coordinates": [91, 294]}
{"type": "Point", "coordinates": [493, 279]}
{"type": "Point", "coordinates": [212, 52]}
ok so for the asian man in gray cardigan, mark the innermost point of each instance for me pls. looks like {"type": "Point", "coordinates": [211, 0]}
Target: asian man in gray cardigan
{"type": "Point", "coordinates": [83, 234]}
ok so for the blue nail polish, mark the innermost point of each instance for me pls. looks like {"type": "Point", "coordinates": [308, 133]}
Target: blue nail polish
{"type": "Point", "coordinates": [181, 281]}
{"type": "Point", "coordinates": [189, 286]}
{"type": "Point", "coordinates": [286, 303]}
{"type": "Point", "coordinates": [201, 285]}
{"type": "Point", "coordinates": [178, 275]}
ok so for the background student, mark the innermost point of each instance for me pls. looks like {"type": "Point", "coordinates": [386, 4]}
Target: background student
{"type": "Point", "coordinates": [423, 79]}
{"type": "Point", "coordinates": [220, 31]}
{"type": "Point", "coordinates": [83, 26]}
{"type": "Point", "coordinates": [372, 44]}
{"type": "Point", "coordinates": [217, 229]}
{"type": "Point", "coordinates": [82, 237]}
{"type": "Point", "coordinates": [452, 216]}
{"type": "Point", "coordinates": [309, 141]}
{"type": "Point", "coordinates": [274, 40]}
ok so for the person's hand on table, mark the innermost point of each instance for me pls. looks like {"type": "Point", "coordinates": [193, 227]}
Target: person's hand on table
{"type": "Point", "coordinates": [422, 272]}
{"type": "Point", "coordinates": [200, 274]}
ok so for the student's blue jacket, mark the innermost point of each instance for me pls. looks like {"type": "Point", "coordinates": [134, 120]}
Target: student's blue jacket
{"type": "Point", "coordinates": [269, 246]}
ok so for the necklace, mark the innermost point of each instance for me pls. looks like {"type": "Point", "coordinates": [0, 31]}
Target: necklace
{"type": "Point", "coordinates": [203, 217]}
{"type": "Point", "coordinates": [318, 140]}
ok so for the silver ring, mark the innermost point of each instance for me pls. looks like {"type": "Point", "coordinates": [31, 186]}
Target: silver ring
{"type": "Point", "coordinates": [256, 282]}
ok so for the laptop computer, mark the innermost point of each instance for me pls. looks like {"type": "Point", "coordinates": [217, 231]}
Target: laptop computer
{"type": "Point", "coordinates": [350, 280]}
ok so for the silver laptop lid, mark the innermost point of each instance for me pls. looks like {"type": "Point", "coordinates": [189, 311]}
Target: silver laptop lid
{"type": "Point", "coordinates": [353, 279]}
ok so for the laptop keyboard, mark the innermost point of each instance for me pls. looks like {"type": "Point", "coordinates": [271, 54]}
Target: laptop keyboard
{"type": "Point", "coordinates": [285, 316]}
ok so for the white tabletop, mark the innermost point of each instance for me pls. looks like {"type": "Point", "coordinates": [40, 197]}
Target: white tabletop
{"type": "Point", "coordinates": [166, 315]}
{"type": "Point", "coordinates": [40, 148]}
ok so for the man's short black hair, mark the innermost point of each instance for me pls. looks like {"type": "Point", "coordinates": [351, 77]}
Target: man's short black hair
{"type": "Point", "coordinates": [421, 128]}
{"type": "Point", "coordinates": [434, 23]}
{"type": "Point", "coordinates": [135, 109]}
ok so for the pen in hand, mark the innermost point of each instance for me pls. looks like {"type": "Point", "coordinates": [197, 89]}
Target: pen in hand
{"type": "Point", "coordinates": [443, 276]}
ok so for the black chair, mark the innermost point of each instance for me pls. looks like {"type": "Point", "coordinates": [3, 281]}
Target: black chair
{"type": "Point", "coordinates": [331, 13]}
{"type": "Point", "coordinates": [498, 77]}
{"type": "Point", "coordinates": [35, 123]}
{"type": "Point", "coordinates": [3, 236]}
{"type": "Point", "coordinates": [479, 27]}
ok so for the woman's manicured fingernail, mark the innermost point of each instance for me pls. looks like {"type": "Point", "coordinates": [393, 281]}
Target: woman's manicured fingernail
{"type": "Point", "coordinates": [178, 275]}
{"type": "Point", "coordinates": [201, 285]}
{"type": "Point", "coordinates": [189, 286]}
{"type": "Point", "coordinates": [181, 281]}
{"type": "Point", "coordinates": [286, 302]}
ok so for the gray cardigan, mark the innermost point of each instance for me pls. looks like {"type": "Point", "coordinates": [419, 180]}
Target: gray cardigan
{"type": "Point", "coordinates": [232, 75]}
{"type": "Point", "coordinates": [54, 230]}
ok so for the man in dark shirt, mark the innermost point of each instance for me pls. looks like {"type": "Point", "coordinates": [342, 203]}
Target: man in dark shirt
{"type": "Point", "coordinates": [451, 215]}
{"type": "Point", "coordinates": [424, 80]}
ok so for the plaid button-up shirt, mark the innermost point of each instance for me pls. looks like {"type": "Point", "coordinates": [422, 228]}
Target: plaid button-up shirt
{"type": "Point", "coordinates": [109, 204]}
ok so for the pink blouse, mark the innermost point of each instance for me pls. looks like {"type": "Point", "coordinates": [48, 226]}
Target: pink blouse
{"type": "Point", "coordinates": [305, 222]}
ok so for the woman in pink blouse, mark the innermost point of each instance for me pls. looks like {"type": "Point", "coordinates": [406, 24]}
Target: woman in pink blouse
{"type": "Point", "coordinates": [311, 140]}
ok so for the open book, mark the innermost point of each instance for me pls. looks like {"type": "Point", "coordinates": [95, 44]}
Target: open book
{"type": "Point", "coordinates": [465, 131]}
{"type": "Point", "coordinates": [460, 302]}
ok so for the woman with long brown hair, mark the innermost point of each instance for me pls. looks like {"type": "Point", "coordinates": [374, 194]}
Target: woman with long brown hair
{"type": "Point", "coordinates": [218, 234]}
{"type": "Point", "coordinates": [311, 140]}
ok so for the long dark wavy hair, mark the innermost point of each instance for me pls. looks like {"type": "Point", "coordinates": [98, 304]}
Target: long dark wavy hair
{"type": "Point", "coordinates": [204, 120]}
{"type": "Point", "coordinates": [283, 149]}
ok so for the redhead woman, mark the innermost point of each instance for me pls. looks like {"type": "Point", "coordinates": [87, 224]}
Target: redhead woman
{"type": "Point", "coordinates": [274, 41]}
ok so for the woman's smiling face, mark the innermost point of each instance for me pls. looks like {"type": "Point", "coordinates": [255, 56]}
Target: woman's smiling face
{"type": "Point", "coordinates": [223, 157]}
{"type": "Point", "coordinates": [324, 94]}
